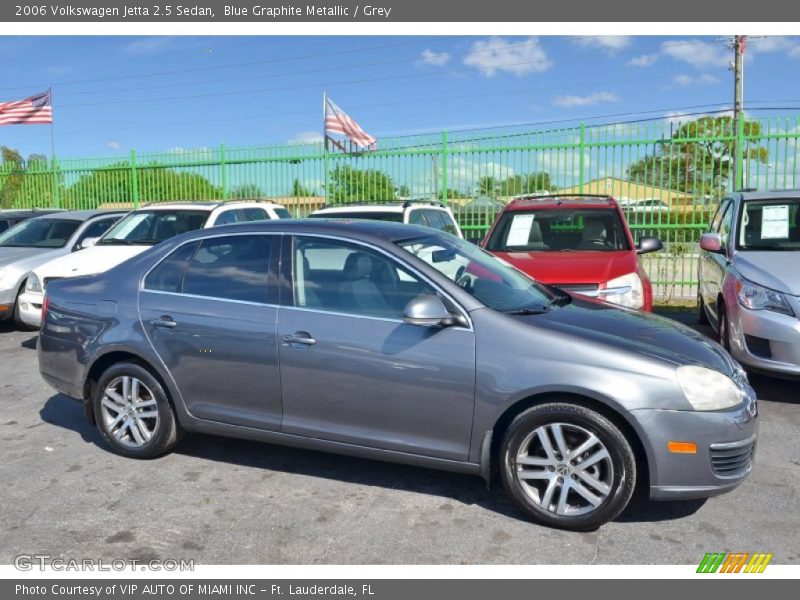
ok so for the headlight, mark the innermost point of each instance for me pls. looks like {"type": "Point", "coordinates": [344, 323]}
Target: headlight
{"type": "Point", "coordinates": [33, 284]}
{"type": "Point", "coordinates": [706, 389]}
{"type": "Point", "coordinates": [633, 297]}
{"type": "Point", "coordinates": [755, 297]}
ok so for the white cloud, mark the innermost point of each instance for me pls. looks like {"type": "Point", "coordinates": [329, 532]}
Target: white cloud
{"type": "Point", "coordinates": [113, 145]}
{"type": "Point", "coordinates": [307, 137]}
{"type": "Point", "coordinates": [676, 118]}
{"type": "Point", "coordinates": [496, 55]}
{"type": "Point", "coordinates": [698, 53]}
{"type": "Point", "coordinates": [610, 44]}
{"type": "Point", "coordinates": [645, 60]}
{"type": "Point", "coordinates": [589, 99]}
{"type": "Point", "coordinates": [684, 80]}
{"type": "Point", "coordinates": [436, 59]}
{"type": "Point", "coordinates": [148, 45]}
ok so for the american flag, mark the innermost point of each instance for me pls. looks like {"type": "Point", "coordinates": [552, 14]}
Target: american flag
{"type": "Point", "coordinates": [30, 111]}
{"type": "Point", "coordinates": [338, 121]}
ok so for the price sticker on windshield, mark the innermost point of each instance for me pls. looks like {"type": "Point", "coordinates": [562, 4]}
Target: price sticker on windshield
{"type": "Point", "coordinates": [775, 222]}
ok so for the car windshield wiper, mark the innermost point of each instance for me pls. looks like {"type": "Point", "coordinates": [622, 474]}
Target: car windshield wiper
{"type": "Point", "coordinates": [527, 311]}
{"type": "Point", "coordinates": [146, 241]}
{"type": "Point", "coordinates": [114, 241]}
{"type": "Point", "coordinates": [767, 247]}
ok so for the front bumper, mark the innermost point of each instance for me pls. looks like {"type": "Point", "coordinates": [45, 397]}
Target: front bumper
{"type": "Point", "coordinates": [764, 340]}
{"type": "Point", "coordinates": [30, 308]}
{"type": "Point", "coordinates": [7, 299]}
{"type": "Point", "coordinates": [726, 444]}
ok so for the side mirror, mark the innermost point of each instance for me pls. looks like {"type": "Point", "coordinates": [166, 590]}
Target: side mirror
{"type": "Point", "coordinates": [426, 310]}
{"type": "Point", "coordinates": [711, 242]}
{"type": "Point", "coordinates": [86, 243]}
{"type": "Point", "coordinates": [648, 244]}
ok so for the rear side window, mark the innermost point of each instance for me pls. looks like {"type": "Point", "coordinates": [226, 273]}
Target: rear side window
{"type": "Point", "coordinates": [228, 268]}
{"type": "Point", "coordinates": [253, 214]}
{"type": "Point", "coordinates": [283, 213]}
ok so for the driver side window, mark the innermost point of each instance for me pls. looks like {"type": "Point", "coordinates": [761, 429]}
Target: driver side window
{"type": "Point", "coordinates": [336, 276]}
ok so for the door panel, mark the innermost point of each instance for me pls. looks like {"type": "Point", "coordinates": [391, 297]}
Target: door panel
{"type": "Point", "coordinates": [378, 383]}
{"type": "Point", "coordinates": [210, 311]}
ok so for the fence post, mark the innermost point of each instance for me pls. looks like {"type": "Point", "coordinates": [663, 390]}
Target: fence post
{"type": "Point", "coordinates": [444, 168]}
{"type": "Point", "coordinates": [224, 168]}
{"type": "Point", "coordinates": [739, 158]}
{"type": "Point", "coordinates": [581, 150]}
{"type": "Point", "coordinates": [134, 180]}
{"type": "Point", "coordinates": [56, 190]}
{"type": "Point", "coordinates": [325, 167]}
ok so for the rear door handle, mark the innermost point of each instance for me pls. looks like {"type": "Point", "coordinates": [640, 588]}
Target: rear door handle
{"type": "Point", "coordinates": [165, 322]}
{"type": "Point", "coordinates": [299, 337]}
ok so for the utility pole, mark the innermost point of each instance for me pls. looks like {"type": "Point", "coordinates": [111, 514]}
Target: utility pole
{"type": "Point", "coordinates": [739, 44]}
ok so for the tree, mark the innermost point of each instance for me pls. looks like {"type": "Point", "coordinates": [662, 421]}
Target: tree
{"type": "Point", "coordinates": [403, 191]}
{"type": "Point", "coordinates": [114, 185]}
{"type": "Point", "coordinates": [25, 183]}
{"type": "Point", "coordinates": [348, 184]}
{"type": "Point", "coordinates": [698, 157]}
{"type": "Point", "coordinates": [299, 190]}
{"type": "Point", "coordinates": [246, 191]}
{"type": "Point", "coordinates": [487, 186]}
{"type": "Point", "coordinates": [516, 185]}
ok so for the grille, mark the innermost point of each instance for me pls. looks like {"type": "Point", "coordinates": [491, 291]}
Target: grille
{"type": "Point", "coordinates": [578, 288]}
{"type": "Point", "coordinates": [732, 460]}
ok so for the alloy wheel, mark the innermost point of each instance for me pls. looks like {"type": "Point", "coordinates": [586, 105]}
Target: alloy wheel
{"type": "Point", "coordinates": [565, 469]}
{"type": "Point", "coordinates": [129, 411]}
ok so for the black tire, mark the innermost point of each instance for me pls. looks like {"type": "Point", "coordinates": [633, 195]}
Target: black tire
{"type": "Point", "coordinates": [165, 432]}
{"type": "Point", "coordinates": [621, 482]}
{"type": "Point", "coordinates": [723, 331]}
{"type": "Point", "coordinates": [702, 317]}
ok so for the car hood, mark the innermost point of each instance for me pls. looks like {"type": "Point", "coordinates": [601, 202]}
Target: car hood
{"type": "Point", "coordinates": [572, 267]}
{"type": "Point", "coordinates": [775, 270]}
{"type": "Point", "coordinates": [634, 331]}
{"type": "Point", "coordinates": [89, 261]}
{"type": "Point", "coordinates": [10, 255]}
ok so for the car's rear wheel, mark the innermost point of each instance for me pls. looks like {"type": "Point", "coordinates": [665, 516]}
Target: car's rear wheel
{"type": "Point", "coordinates": [702, 317]}
{"type": "Point", "coordinates": [567, 466]}
{"type": "Point", "coordinates": [133, 413]}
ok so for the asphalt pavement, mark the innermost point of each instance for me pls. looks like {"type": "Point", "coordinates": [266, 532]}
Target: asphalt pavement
{"type": "Point", "coordinates": [224, 501]}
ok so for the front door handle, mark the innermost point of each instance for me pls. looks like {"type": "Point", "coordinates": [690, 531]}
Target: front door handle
{"type": "Point", "coordinates": [165, 322]}
{"type": "Point", "coordinates": [302, 338]}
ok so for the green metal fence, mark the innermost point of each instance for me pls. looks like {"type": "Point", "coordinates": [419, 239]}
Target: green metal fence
{"type": "Point", "coordinates": [668, 174]}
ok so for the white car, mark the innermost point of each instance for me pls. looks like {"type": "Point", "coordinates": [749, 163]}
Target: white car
{"type": "Point", "coordinates": [133, 234]}
{"type": "Point", "coordinates": [429, 214]}
{"type": "Point", "coordinates": [36, 241]}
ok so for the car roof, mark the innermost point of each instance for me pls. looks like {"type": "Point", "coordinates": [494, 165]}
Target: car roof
{"type": "Point", "coordinates": [358, 229]}
{"type": "Point", "coordinates": [392, 206]}
{"type": "Point", "coordinates": [82, 215]}
{"type": "Point", "coordinates": [28, 212]}
{"type": "Point", "coordinates": [769, 194]}
{"type": "Point", "coordinates": [565, 201]}
{"type": "Point", "coordinates": [203, 204]}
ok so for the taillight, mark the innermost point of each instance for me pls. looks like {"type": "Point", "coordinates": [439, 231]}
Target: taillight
{"type": "Point", "coordinates": [45, 306]}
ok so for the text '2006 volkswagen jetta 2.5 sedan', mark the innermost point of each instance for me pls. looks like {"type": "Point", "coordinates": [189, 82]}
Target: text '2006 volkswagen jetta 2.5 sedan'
{"type": "Point", "coordinates": [402, 343]}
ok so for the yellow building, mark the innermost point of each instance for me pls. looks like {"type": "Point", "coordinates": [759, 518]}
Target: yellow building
{"type": "Point", "coordinates": [625, 191]}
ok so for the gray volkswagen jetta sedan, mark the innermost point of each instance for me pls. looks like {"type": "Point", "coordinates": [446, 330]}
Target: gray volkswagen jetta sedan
{"type": "Point", "coordinates": [400, 343]}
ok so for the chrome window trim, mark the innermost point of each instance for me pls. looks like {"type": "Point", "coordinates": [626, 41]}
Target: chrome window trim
{"type": "Point", "coordinates": [390, 256]}
{"type": "Point", "coordinates": [215, 298]}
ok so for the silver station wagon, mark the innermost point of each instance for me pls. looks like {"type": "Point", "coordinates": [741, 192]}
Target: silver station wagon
{"type": "Point", "coordinates": [401, 343]}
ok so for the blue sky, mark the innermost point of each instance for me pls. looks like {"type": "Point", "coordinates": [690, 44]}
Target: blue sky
{"type": "Point", "coordinates": [112, 94]}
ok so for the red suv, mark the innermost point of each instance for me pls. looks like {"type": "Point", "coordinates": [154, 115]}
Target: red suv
{"type": "Point", "coordinates": [580, 243]}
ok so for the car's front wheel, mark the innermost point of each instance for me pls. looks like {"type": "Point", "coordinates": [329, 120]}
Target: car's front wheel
{"type": "Point", "coordinates": [567, 466]}
{"type": "Point", "coordinates": [133, 413]}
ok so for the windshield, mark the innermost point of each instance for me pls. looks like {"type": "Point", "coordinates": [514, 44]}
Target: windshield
{"type": "Point", "coordinates": [377, 215]}
{"type": "Point", "coordinates": [40, 233]}
{"type": "Point", "coordinates": [487, 278]}
{"type": "Point", "coordinates": [769, 225]}
{"type": "Point", "coordinates": [559, 230]}
{"type": "Point", "coordinates": [146, 227]}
